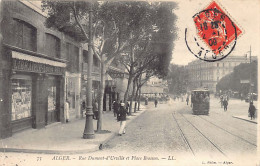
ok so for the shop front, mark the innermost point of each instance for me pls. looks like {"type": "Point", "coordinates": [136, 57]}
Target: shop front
{"type": "Point", "coordinates": [37, 96]}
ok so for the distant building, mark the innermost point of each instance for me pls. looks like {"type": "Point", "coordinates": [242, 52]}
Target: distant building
{"type": "Point", "coordinates": [208, 74]}
{"type": "Point", "coordinates": [154, 87]}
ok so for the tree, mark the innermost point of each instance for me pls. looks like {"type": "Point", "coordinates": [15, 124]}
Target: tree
{"type": "Point", "coordinates": [240, 72]}
{"type": "Point", "coordinates": [150, 43]}
{"type": "Point", "coordinates": [178, 79]}
{"type": "Point", "coordinates": [71, 17]}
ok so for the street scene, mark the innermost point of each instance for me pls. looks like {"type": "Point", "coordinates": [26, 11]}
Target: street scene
{"type": "Point", "coordinates": [129, 83]}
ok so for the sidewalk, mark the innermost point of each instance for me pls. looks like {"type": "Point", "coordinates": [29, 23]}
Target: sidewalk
{"type": "Point", "coordinates": [246, 118]}
{"type": "Point", "coordinates": [66, 138]}
{"type": "Point", "coordinates": [236, 108]}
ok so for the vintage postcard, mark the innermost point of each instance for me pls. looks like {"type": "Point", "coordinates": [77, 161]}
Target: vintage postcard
{"type": "Point", "coordinates": [129, 82]}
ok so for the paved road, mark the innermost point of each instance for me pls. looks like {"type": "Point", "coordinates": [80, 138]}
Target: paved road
{"type": "Point", "coordinates": [172, 129]}
{"type": "Point", "coordinates": [171, 133]}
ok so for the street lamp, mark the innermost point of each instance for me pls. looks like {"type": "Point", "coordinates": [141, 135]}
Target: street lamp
{"type": "Point", "coordinates": [89, 129]}
{"type": "Point", "coordinates": [250, 78]}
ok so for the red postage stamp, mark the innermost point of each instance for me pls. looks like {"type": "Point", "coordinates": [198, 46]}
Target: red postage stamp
{"type": "Point", "coordinates": [217, 30]}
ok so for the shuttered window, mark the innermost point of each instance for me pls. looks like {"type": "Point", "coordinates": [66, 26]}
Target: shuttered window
{"type": "Point", "coordinates": [52, 46]}
{"type": "Point", "coordinates": [25, 35]}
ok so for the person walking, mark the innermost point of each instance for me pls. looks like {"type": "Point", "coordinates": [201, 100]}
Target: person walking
{"type": "Point", "coordinates": [192, 100]}
{"type": "Point", "coordinates": [115, 107]}
{"type": "Point", "coordinates": [251, 110]}
{"type": "Point", "coordinates": [187, 99]}
{"type": "Point", "coordinates": [155, 102]}
{"type": "Point", "coordinates": [66, 110]}
{"type": "Point", "coordinates": [121, 117]}
{"type": "Point", "coordinates": [221, 101]}
{"type": "Point", "coordinates": [225, 104]}
{"type": "Point", "coordinates": [146, 101]}
{"type": "Point", "coordinates": [95, 109]}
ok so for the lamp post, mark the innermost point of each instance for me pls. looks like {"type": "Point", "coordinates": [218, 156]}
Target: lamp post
{"type": "Point", "coordinates": [250, 78]}
{"type": "Point", "coordinates": [89, 130]}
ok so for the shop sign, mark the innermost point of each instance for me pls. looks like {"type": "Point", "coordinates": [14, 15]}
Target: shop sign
{"type": "Point", "coordinates": [24, 65]}
{"type": "Point", "coordinates": [116, 74]}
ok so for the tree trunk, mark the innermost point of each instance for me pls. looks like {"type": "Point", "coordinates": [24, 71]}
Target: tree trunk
{"type": "Point", "coordinates": [135, 97]}
{"type": "Point", "coordinates": [128, 85]}
{"type": "Point", "coordinates": [139, 97]}
{"type": "Point", "coordinates": [132, 96]}
{"type": "Point", "coordinates": [101, 95]}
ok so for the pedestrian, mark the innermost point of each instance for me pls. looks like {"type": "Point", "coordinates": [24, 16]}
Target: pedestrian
{"type": "Point", "coordinates": [127, 106]}
{"type": "Point", "coordinates": [115, 107]}
{"type": "Point", "coordinates": [221, 101]}
{"type": "Point", "coordinates": [187, 99]}
{"type": "Point", "coordinates": [146, 101]}
{"type": "Point", "coordinates": [155, 102]}
{"type": "Point", "coordinates": [95, 109]}
{"type": "Point", "coordinates": [121, 117]}
{"type": "Point", "coordinates": [192, 100]}
{"type": "Point", "coordinates": [251, 110]}
{"type": "Point", "coordinates": [225, 104]}
{"type": "Point", "coordinates": [66, 110]}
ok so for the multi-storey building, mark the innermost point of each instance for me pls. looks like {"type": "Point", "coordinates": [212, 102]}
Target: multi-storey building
{"type": "Point", "coordinates": [40, 68]}
{"type": "Point", "coordinates": [207, 74]}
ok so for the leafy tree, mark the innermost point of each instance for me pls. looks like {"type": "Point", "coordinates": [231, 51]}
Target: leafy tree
{"type": "Point", "coordinates": [241, 72]}
{"type": "Point", "coordinates": [150, 43]}
{"type": "Point", "coordinates": [71, 17]}
{"type": "Point", "coordinates": [178, 79]}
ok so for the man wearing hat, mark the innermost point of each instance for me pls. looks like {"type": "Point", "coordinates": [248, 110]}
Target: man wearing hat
{"type": "Point", "coordinates": [122, 118]}
{"type": "Point", "coordinates": [251, 110]}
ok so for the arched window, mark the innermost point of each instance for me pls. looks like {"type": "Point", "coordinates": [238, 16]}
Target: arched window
{"type": "Point", "coordinates": [24, 35]}
{"type": "Point", "coordinates": [52, 46]}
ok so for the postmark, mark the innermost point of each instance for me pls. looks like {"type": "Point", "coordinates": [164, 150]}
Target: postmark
{"type": "Point", "coordinates": [216, 34]}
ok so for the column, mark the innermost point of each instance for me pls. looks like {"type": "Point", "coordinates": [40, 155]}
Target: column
{"type": "Point", "coordinates": [77, 93]}
{"type": "Point", "coordinates": [5, 103]}
{"type": "Point", "coordinates": [40, 101]}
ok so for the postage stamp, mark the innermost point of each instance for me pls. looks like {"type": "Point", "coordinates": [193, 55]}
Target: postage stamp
{"type": "Point", "coordinates": [217, 31]}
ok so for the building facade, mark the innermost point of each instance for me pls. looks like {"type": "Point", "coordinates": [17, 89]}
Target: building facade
{"type": "Point", "coordinates": [208, 74]}
{"type": "Point", "coordinates": [41, 68]}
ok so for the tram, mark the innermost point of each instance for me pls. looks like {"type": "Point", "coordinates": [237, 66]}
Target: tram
{"type": "Point", "coordinates": [200, 99]}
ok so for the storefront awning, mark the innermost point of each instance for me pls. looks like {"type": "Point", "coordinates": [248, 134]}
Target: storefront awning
{"type": "Point", "coordinates": [22, 56]}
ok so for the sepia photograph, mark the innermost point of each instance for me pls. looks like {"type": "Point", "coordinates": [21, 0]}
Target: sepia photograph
{"type": "Point", "coordinates": [152, 82]}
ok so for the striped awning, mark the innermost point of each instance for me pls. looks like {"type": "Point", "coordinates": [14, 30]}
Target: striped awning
{"type": "Point", "coordinates": [22, 56]}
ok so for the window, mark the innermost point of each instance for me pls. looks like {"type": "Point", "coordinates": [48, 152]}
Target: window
{"type": "Point", "coordinates": [72, 54]}
{"type": "Point", "coordinates": [217, 64]}
{"type": "Point", "coordinates": [52, 46]}
{"type": "Point", "coordinates": [24, 35]}
{"type": "Point", "coordinates": [21, 98]}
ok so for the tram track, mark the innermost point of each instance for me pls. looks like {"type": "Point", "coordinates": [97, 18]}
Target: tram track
{"type": "Point", "coordinates": [187, 141]}
{"type": "Point", "coordinates": [219, 115]}
{"type": "Point", "coordinates": [227, 131]}
{"type": "Point", "coordinates": [216, 146]}
{"type": "Point", "coordinates": [183, 135]}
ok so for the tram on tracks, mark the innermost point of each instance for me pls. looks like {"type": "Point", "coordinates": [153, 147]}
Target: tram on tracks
{"type": "Point", "coordinates": [200, 99]}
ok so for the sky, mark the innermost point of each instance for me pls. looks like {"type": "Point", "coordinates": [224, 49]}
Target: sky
{"type": "Point", "coordinates": [245, 14]}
